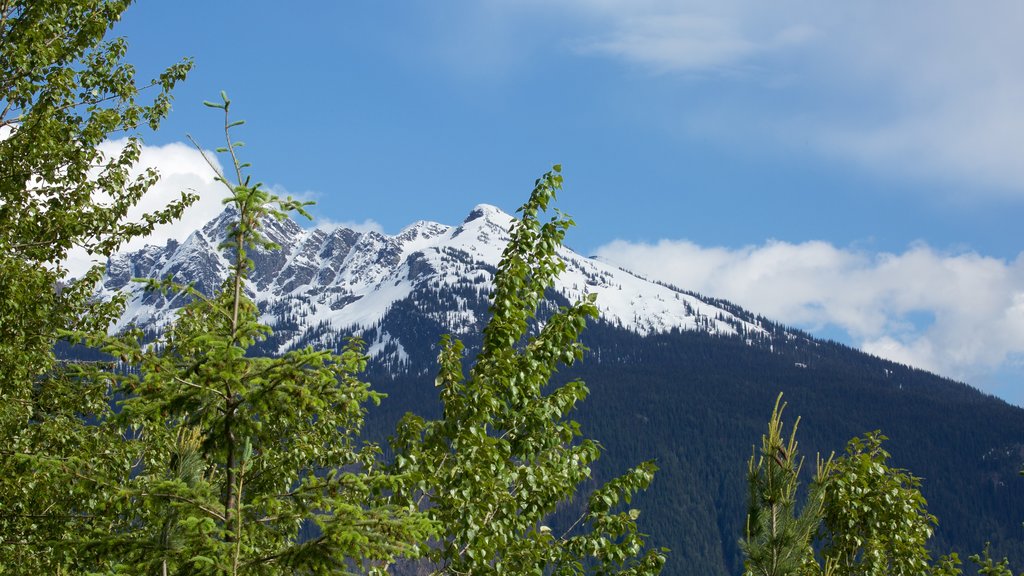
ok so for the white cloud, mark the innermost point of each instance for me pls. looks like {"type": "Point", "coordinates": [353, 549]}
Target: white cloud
{"type": "Point", "coordinates": [678, 42]}
{"type": "Point", "coordinates": [693, 36]}
{"type": "Point", "coordinates": [368, 225]}
{"type": "Point", "coordinates": [181, 168]}
{"type": "Point", "coordinates": [960, 315]}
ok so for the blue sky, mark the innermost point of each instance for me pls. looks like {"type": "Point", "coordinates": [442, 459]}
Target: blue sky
{"type": "Point", "coordinates": [856, 170]}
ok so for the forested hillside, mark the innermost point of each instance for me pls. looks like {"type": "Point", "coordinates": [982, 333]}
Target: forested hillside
{"type": "Point", "coordinates": [697, 404]}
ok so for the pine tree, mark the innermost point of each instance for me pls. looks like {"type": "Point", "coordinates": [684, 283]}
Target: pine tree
{"type": "Point", "coordinates": [778, 539]}
{"type": "Point", "coordinates": [240, 464]}
{"type": "Point", "coordinates": [864, 517]}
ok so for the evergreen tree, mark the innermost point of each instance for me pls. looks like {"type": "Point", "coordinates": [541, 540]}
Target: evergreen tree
{"type": "Point", "coordinates": [240, 464]}
{"type": "Point", "coordinates": [778, 539]}
{"type": "Point", "coordinates": [863, 516]}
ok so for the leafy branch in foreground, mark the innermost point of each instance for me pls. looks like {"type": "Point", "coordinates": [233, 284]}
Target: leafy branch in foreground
{"type": "Point", "coordinates": [875, 520]}
{"type": "Point", "coordinates": [243, 464]}
{"type": "Point", "coordinates": [863, 516]}
{"type": "Point", "coordinates": [505, 454]}
{"type": "Point", "coordinates": [65, 89]}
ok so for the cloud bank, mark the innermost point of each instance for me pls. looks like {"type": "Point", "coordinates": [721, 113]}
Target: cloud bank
{"type": "Point", "coordinates": [956, 314]}
{"type": "Point", "coordinates": [181, 168]}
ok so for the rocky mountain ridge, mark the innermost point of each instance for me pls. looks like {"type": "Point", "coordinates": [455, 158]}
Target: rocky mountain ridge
{"type": "Point", "coordinates": [342, 281]}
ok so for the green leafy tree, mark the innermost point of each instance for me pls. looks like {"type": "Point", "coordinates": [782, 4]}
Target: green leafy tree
{"type": "Point", "coordinates": [241, 464]}
{"type": "Point", "coordinates": [988, 566]}
{"type": "Point", "coordinates": [863, 516]}
{"type": "Point", "coordinates": [778, 539]}
{"type": "Point", "coordinates": [64, 89]}
{"type": "Point", "coordinates": [875, 521]}
{"type": "Point", "coordinates": [505, 455]}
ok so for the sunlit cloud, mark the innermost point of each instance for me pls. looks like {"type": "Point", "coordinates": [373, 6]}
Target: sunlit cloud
{"type": "Point", "coordinates": [957, 314]}
{"type": "Point", "coordinates": [181, 168]}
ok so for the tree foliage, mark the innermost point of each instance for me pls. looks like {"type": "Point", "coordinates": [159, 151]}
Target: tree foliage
{"type": "Point", "coordinates": [505, 454]}
{"type": "Point", "coordinates": [861, 516]}
{"type": "Point", "coordinates": [190, 454]}
{"type": "Point", "coordinates": [241, 464]}
{"type": "Point", "coordinates": [64, 89]}
{"type": "Point", "coordinates": [875, 522]}
{"type": "Point", "coordinates": [778, 538]}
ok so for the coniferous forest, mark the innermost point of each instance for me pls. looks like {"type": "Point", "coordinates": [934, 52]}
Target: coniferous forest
{"type": "Point", "coordinates": [697, 405]}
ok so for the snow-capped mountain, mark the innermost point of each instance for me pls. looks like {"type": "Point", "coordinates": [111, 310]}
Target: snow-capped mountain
{"type": "Point", "coordinates": [674, 377]}
{"type": "Point", "coordinates": [325, 282]}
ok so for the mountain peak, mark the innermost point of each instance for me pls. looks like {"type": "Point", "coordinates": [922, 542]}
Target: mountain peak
{"type": "Point", "coordinates": [320, 284]}
{"type": "Point", "coordinates": [215, 227]}
{"type": "Point", "coordinates": [488, 212]}
{"type": "Point", "coordinates": [282, 231]}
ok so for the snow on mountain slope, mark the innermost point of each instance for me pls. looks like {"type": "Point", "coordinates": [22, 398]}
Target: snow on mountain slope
{"type": "Point", "coordinates": [339, 280]}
